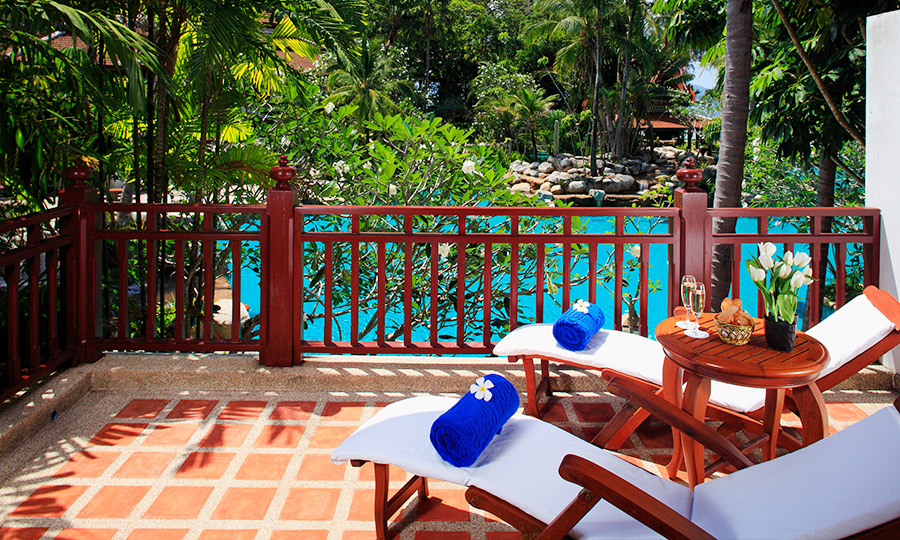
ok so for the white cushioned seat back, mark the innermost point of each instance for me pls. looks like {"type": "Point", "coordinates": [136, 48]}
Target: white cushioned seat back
{"type": "Point", "coordinates": [622, 352]}
{"type": "Point", "coordinates": [841, 485]}
{"type": "Point", "coordinates": [849, 331]}
{"type": "Point", "coordinates": [520, 465]}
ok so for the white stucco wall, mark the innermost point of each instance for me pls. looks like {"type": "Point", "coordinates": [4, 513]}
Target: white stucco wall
{"type": "Point", "coordinates": [882, 138]}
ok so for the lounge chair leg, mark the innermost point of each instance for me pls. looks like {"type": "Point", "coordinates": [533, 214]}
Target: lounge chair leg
{"type": "Point", "coordinates": [386, 507]}
{"type": "Point", "coordinates": [545, 376]}
{"type": "Point", "coordinates": [620, 426]}
{"type": "Point", "coordinates": [532, 387]}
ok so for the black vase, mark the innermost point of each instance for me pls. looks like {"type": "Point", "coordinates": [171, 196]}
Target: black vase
{"type": "Point", "coordinates": [780, 335]}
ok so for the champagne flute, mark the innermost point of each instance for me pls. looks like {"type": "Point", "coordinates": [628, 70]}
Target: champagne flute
{"type": "Point", "coordinates": [698, 302]}
{"type": "Point", "coordinates": [687, 287]}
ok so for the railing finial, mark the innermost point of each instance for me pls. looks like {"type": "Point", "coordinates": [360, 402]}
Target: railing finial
{"type": "Point", "coordinates": [282, 174]}
{"type": "Point", "coordinates": [690, 175]}
{"type": "Point", "coordinates": [77, 174]}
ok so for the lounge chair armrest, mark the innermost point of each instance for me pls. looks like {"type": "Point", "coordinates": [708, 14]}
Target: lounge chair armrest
{"type": "Point", "coordinates": [885, 303]}
{"type": "Point", "coordinates": [680, 420]}
{"type": "Point", "coordinates": [632, 500]}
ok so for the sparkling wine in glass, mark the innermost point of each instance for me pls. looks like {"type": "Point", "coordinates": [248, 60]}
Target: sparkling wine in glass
{"type": "Point", "coordinates": [698, 302]}
{"type": "Point", "coordinates": [687, 287]}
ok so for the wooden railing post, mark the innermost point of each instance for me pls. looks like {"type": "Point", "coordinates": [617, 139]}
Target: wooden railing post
{"type": "Point", "coordinates": [696, 239]}
{"type": "Point", "coordinates": [278, 266]}
{"type": "Point", "coordinates": [82, 283]}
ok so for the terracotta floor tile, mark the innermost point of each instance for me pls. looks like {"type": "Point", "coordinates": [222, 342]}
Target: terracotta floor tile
{"type": "Point", "coordinates": [344, 411]}
{"type": "Point", "coordinates": [143, 408]}
{"type": "Point", "coordinates": [192, 408]}
{"type": "Point", "coordinates": [205, 465]}
{"type": "Point", "coordinates": [358, 535]}
{"type": "Point", "coordinates": [86, 534]}
{"type": "Point", "coordinates": [222, 534]}
{"type": "Point", "coordinates": [319, 467]}
{"type": "Point", "coordinates": [362, 507]}
{"type": "Point", "coordinates": [21, 533]}
{"type": "Point", "coordinates": [299, 535]}
{"type": "Point", "coordinates": [117, 434]}
{"type": "Point", "coordinates": [86, 464]}
{"type": "Point", "coordinates": [157, 534]}
{"type": "Point", "coordinates": [263, 467]}
{"type": "Point", "coordinates": [179, 502]}
{"type": "Point", "coordinates": [555, 412]}
{"type": "Point", "coordinates": [367, 473]}
{"type": "Point", "coordinates": [113, 502]}
{"type": "Point", "coordinates": [444, 505]}
{"type": "Point", "coordinates": [503, 535]}
{"type": "Point", "coordinates": [171, 434]}
{"type": "Point", "coordinates": [593, 411]}
{"type": "Point", "coordinates": [330, 436]}
{"type": "Point", "coordinates": [49, 501]}
{"type": "Point", "coordinates": [244, 503]}
{"type": "Point", "coordinates": [145, 465]}
{"type": "Point", "coordinates": [242, 410]}
{"type": "Point", "coordinates": [225, 436]}
{"type": "Point", "coordinates": [638, 462]}
{"type": "Point", "coordinates": [840, 411]}
{"type": "Point", "coordinates": [273, 436]}
{"type": "Point", "coordinates": [293, 410]}
{"type": "Point", "coordinates": [442, 535]}
{"type": "Point", "coordinates": [310, 504]}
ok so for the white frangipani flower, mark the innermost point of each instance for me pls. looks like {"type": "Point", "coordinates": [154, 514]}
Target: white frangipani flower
{"type": "Point", "coordinates": [443, 250]}
{"type": "Point", "coordinates": [635, 251]}
{"type": "Point", "coordinates": [367, 165]}
{"type": "Point", "coordinates": [313, 173]}
{"type": "Point", "coordinates": [341, 167]}
{"type": "Point", "coordinates": [469, 167]}
{"type": "Point", "coordinates": [482, 388]}
{"type": "Point", "coordinates": [392, 190]}
{"type": "Point", "coordinates": [581, 306]}
{"type": "Point", "coordinates": [329, 107]}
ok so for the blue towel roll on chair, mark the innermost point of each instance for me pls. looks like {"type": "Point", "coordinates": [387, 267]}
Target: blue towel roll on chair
{"type": "Point", "coordinates": [577, 325]}
{"type": "Point", "coordinates": [462, 433]}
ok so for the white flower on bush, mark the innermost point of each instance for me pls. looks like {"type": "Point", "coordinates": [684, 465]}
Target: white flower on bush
{"type": "Point", "coordinates": [392, 190]}
{"type": "Point", "coordinates": [581, 306]}
{"type": "Point", "coordinates": [313, 173]}
{"type": "Point", "coordinates": [285, 141]}
{"type": "Point", "coordinates": [443, 250]}
{"type": "Point", "coordinates": [341, 167]}
{"type": "Point", "coordinates": [635, 251]}
{"type": "Point", "coordinates": [469, 167]}
{"type": "Point", "coordinates": [329, 107]}
{"type": "Point", "coordinates": [482, 388]}
{"type": "Point", "coordinates": [367, 165]}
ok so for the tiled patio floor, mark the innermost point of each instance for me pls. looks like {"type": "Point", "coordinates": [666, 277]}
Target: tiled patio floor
{"type": "Point", "coordinates": [255, 466]}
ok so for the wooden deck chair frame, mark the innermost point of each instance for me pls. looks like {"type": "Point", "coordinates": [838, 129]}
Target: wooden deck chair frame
{"type": "Point", "coordinates": [630, 416]}
{"type": "Point", "coordinates": [597, 484]}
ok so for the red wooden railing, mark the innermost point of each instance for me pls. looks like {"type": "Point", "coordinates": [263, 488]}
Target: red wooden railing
{"type": "Point", "coordinates": [318, 256]}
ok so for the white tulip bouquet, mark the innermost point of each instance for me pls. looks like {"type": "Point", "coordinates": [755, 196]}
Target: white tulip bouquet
{"type": "Point", "coordinates": [786, 275]}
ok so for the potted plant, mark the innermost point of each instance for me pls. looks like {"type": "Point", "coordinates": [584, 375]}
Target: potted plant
{"type": "Point", "coordinates": [779, 279]}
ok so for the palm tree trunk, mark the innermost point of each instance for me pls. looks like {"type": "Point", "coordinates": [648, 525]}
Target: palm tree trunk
{"type": "Point", "coordinates": [824, 197]}
{"type": "Point", "coordinates": [735, 108]}
{"type": "Point", "coordinates": [598, 82]}
{"type": "Point", "coordinates": [619, 146]}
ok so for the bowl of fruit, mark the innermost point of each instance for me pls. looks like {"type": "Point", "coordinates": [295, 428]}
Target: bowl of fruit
{"type": "Point", "coordinates": [734, 324]}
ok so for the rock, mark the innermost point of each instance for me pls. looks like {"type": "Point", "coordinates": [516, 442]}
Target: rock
{"type": "Point", "coordinates": [557, 190]}
{"type": "Point", "coordinates": [534, 165]}
{"type": "Point", "coordinates": [578, 170]}
{"type": "Point", "coordinates": [618, 183]}
{"type": "Point", "coordinates": [662, 162]}
{"type": "Point", "coordinates": [565, 164]}
{"type": "Point", "coordinates": [633, 170]}
{"type": "Point", "coordinates": [531, 171]}
{"type": "Point", "coordinates": [524, 187]}
{"type": "Point", "coordinates": [559, 177]}
{"type": "Point", "coordinates": [517, 166]}
{"type": "Point", "coordinates": [563, 155]}
{"type": "Point", "coordinates": [709, 172]}
{"type": "Point", "coordinates": [661, 178]}
{"type": "Point", "coordinates": [577, 186]}
{"type": "Point", "coordinates": [598, 196]}
{"type": "Point", "coordinates": [530, 179]}
{"type": "Point", "coordinates": [608, 172]}
{"type": "Point", "coordinates": [545, 167]}
{"type": "Point", "coordinates": [618, 167]}
{"type": "Point", "coordinates": [545, 187]}
{"type": "Point", "coordinates": [672, 155]}
{"type": "Point", "coordinates": [646, 167]}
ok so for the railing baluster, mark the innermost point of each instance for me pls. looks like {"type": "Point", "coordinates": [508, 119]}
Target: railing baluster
{"type": "Point", "coordinates": [567, 262]}
{"type": "Point", "coordinates": [618, 261]}
{"type": "Point", "coordinates": [735, 273]}
{"type": "Point", "coordinates": [34, 285]}
{"type": "Point", "coordinates": [514, 274]}
{"type": "Point", "coordinates": [592, 273]}
{"type": "Point", "coordinates": [53, 302]}
{"type": "Point", "coordinates": [645, 268]}
{"type": "Point", "coordinates": [461, 284]}
{"type": "Point", "coordinates": [122, 255]}
{"type": "Point", "coordinates": [206, 247]}
{"type": "Point", "coordinates": [539, 283]}
{"type": "Point", "coordinates": [179, 290]}
{"type": "Point", "coordinates": [235, 290]}
{"type": "Point", "coordinates": [382, 292]}
{"type": "Point", "coordinates": [433, 316]}
{"type": "Point", "coordinates": [354, 281]}
{"type": "Point", "coordinates": [152, 262]}
{"type": "Point", "coordinates": [329, 287]}
{"type": "Point", "coordinates": [13, 362]}
{"type": "Point", "coordinates": [816, 252]}
{"type": "Point", "coordinates": [840, 285]}
{"type": "Point", "coordinates": [486, 327]}
{"type": "Point", "coordinates": [407, 281]}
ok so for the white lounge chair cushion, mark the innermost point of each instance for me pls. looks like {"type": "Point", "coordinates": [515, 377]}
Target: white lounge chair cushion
{"type": "Point", "coordinates": [622, 352]}
{"type": "Point", "coordinates": [841, 485]}
{"type": "Point", "coordinates": [520, 465]}
{"type": "Point", "coordinates": [855, 327]}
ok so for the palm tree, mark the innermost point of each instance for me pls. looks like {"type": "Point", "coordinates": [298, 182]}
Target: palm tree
{"type": "Point", "coordinates": [735, 109]}
{"type": "Point", "coordinates": [529, 106]}
{"type": "Point", "coordinates": [366, 82]}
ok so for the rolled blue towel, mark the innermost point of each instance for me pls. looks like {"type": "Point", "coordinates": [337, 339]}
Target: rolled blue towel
{"type": "Point", "coordinates": [462, 433]}
{"type": "Point", "coordinates": [577, 325]}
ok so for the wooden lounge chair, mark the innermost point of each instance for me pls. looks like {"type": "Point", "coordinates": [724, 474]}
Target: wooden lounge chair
{"type": "Point", "coordinates": [856, 335]}
{"type": "Point", "coordinates": [550, 484]}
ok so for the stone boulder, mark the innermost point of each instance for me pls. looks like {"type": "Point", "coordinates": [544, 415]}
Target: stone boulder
{"type": "Point", "coordinates": [577, 187]}
{"type": "Point", "coordinates": [546, 168]}
{"type": "Point", "coordinates": [531, 171]}
{"type": "Point", "coordinates": [524, 187]}
{"type": "Point", "coordinates": [557, 190]}
{"type": "Point", "coordinates": [559, 177]}
{"type": "Point", "coordinates": [518, 166]}
{"type": "Point", "coordinates": [618, 183]}
{"type": "Point", "coordinates": [545, 187]}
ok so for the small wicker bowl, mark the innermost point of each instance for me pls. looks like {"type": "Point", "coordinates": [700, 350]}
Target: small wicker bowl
{"type": "Point", "coordinates": [734, 334]}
